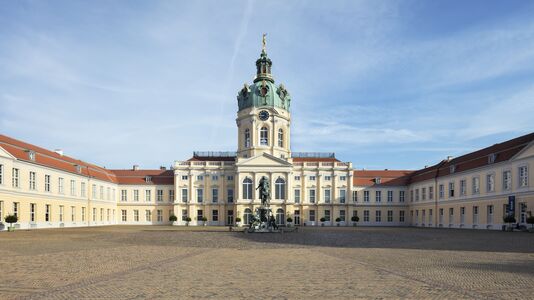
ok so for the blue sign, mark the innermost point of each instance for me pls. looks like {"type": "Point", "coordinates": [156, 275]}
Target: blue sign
{"type": "Point", "coordinates": [511, 205]}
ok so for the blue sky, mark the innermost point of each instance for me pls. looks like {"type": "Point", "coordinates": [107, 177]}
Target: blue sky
{"type": "Point", "coordinates": [384, 84]}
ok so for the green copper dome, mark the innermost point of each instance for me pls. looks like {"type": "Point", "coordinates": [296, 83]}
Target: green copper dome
{"type": "Point", "coordinates": [263, 92]}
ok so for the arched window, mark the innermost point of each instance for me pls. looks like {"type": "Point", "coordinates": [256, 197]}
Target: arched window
{"type": "Point", "coordinates": [247, 138]}
{"type": "Point", "coordinates": [247, 188]}
{"type": "Point", "coordinates": [247, 216]}
{"type": "Point", "coordinates": [264, 140]}
{"type": "Point", "coordinates": [280, 138]}
{"type": "Point", "coordinates": [280, 189]}
{"type": "Point", "coordinates": [280, 216]}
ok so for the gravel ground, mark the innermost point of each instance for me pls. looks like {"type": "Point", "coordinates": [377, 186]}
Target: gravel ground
{"type": "Point", "coordinates": [211, 262]}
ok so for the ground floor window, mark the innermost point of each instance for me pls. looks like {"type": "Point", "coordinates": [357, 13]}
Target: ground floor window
{"type": "Point", "coordinates": [32, 212]}
{"type": "Point", "coordinates": [490, 214]}
{"type": "Point", "coordinates": [327, 215]}
{"type": "Point", "coordinates": [312, 215]}
{"type": "Point", "coordinates": [390, 216]}
{"type": "Point", "coordinates": [378, 216]}
{"type": "Point", "coordinates": [366, 216]}
{"type": "Point", "coordinates": [83, 214]}
{"type": "Point", "coordinates": [94, 214]}
{"type": "Point", "coordinates": [160, 215]}
{"type": "Point", "coordinates": [247, 215]}
{"type": "Point", "coordinates": [47, 213]}
{"type": "Point", "coordinates": [215, 215]}
{"type": "Point", "coordinates": [342, 215]}
{"type": "Point", "coordinates": [280, 216]}
{"type": "Point", "coordinates": [123, 212]}
{"type": "Point", "coordinates": [73, 213]}
{"type": "Point", "coordinates": [430, 216]}
{"type": "Point", "coordinates": [297, 217]}
{"type": "Point", "coordinates": [401, 216]}
{"type": "Point", "coordinates": [148, 215]}
{"type": "Point", "coordinates": [230, 217]}
{"type": "Point", "coordinates": [200, 214]}
{"type": "Point", "coordinates": [184, 215]}
{"type": "Point", "coordinates": [136, 215]}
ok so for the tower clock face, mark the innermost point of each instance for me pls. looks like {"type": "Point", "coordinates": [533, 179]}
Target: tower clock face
{"type": "Point", "coordinates": [264, 115]}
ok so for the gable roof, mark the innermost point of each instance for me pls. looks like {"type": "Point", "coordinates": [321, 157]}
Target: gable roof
{"type": "Point", "coordinates": [138, 177]}
{"type": "Point", "coordinates": [387, 177]}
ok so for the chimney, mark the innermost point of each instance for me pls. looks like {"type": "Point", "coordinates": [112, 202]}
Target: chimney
{"type": "Point", "coordinates": [135, 167]}
{"type": "Point", "coordinates": [162, 168]}
{"type": "Point", "coordinates": [59, 151]}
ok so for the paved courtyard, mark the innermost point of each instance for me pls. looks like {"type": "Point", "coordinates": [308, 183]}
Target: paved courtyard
{"type": "Point", "coordinates": [192, 262]}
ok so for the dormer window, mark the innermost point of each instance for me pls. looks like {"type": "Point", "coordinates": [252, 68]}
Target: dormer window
{"type": "Point", "coordinates": [148, 179]}
{"type": "Point", "coordinates": [452, 168]}
{"type": "Point", "coordinates": [491, 158]}
{"type": "Point", "coordinates": [378, 180]}
{"type": "Point", "coordinates": [31, 155]}
{"type": "Point", "coordinates": [78, 169]}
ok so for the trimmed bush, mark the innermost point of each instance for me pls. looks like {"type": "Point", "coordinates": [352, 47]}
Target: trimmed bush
{"type": "Point", "coordinates": [238, 219]}
{"type": "Point", "coordinates": [323, 219]}
{"type": "Point", "coordinates": [289, 219]}
{"type": "Point", "coordinates": [355, 219]}
{"type": "Point", "coordinates": [509, 219]}
{"type": "Point", "coordinates": [11, 219]}
{"type": "Point", "coordinates": [188, 219]}
{"type": "Point", "coordinates": [204, 219]}
{"type": "Point", "coordinates": [530, 220]}
{"type": "Point", "coordinates": [338, 220]}
{"type": "Point", "coordinates": [173, 218]}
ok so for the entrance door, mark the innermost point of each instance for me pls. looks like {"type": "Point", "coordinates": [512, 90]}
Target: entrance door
{"type": "Point", "coordinates": [297, 217]}
{"type": "Point", "coordinates": [230, 217]}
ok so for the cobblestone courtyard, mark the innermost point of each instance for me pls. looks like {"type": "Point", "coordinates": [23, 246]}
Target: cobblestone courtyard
{"type": "Point", "coordinates": [191, 262]}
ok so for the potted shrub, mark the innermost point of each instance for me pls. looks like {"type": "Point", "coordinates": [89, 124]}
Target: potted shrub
{"type": "Point", "coordinates": [173, 218]}
{"type": "Point", "coordinates": [530, 220]}
{"type": "Point", "coordinates": [323, 219]}
{"type": "Point", "coordinates": [354, 219]}
{"type": "Point", "coordinates": [289, 221]}
{"type": "Point", "coordinates": [205, 221]}
{"type": "Point", "coordinates": [238, 221]}
{"type": "Point", "coordinates": [11, 219]}
{"type": "Point", "coordinates": [509, 219]}
{"type": "Point", "coordinates": [338, 220]}
{"type": "Point", "coordinates": [187, 220]}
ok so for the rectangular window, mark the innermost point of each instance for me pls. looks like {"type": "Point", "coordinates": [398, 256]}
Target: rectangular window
{"type": "Point", "coordinates": [230, 178]}
{"type": "Point", "coordinates": [101, 214]}
{"type": "Point", "coordinates": [523, 176]}
{"type": "Point", "coordinates": [214, 178]}
{"type": "Point", "coordinates": [200, 214]}
{"type": "Point", "coordinates": [297, 178]}
{"type": "Point", "coordinates": [32, 212]}
{"type": "Point", "coordinates": [200, 177]}
{"type": "Point", "coordinates": [148, 215]}
{"type": "Point", "coordinates": [490, 182]}
{"type": "Point", "coordinates": [73, 188]}
{"type": "Point", "coordinates": [184, 215]}
{"type": "Point", "coordinates": [441, 191]}
{"type": "Point", "coordinates": [342, 196]}
{"type": "Point", "coordinates": [451, 189]}
{"type": "Point", "coordinates": [124, 215]}
{"type": "Point", "coordinates": [342, 215]}
{"type": "Point", "coordinates": [101, 193]}
{"type": "Point", "coordinates": [506, 180]}
{"type": "Point", "coordinates": [93, 191]}
{"type": "Point", "coordinates": [215, 215]}
{"type": "Point", "coordinates": [312, 215]}
{"type": "Point", "coordinates": [184, 177]}
{"type": "Point", "coordinates": [475, 214]}
{"type": "Point", "coordinates": [47, 213]}
{"type": "Point", "coordinates": [326, 196]}
{"type": "Point", "coordinates": [463, 187]}
{"type": "Point", "coordinates": [82, 189]}
{"type": "Point", "coordinates": [108, 215]}
{"type": "Point", "coordinates": [215, 195]}
{"type": "Point", "coordinates": [16, 209]}
{"type": "Point", "coordinates": [312, 196]}
{"type": "Point", "coordinates": [378, 216]}
{"type": "Point", "coordinates": [136, 215]}
{"type": "Point", "coordinates": [416, 194]}
{"type": "Point", "coordinates": [171, 195]}
{"type": "Point", "coordinates": [94, 214]}
{"type": "Point", "coordinates": [343, 178]}
{"type": "Point", "coordinates": [1, 178]}
{"type": "Point", "coordinates": [327, 178]}
{"type": "Point", "coordinates": [148, 195]}
{"type": "Point", "coordinates": [401, 196]}
{"type": "Point", "coordinates": [72, 213]}
{"type": "Point", "coordinates": [462, 215]}
{"type": "Point", "coordinates": [365, 196]}
{"type": "Point", "coordinates": [312, 178]}
{"type": "Point", "coordinates": [354, 196]}
{"type": "Point", "coordinates": [401, 216]}
{"type": "Point", "coordinates": [390, 196]}
{"type": "Point", "coordinates": [61, 213]}
{"type": "Point", "coordinates": [32, 180]}
{"type": "Point", "coordinates": [366, 216]}
{"type": "Point", "coordinates": [108, 193]}
{"type": "Point", "coordinates": [184, 195]}
{"type": "Point", "coordinates": [297, 195]}
{"type": "Point", "coordinates": [230, 196]}
{"type": "Point", "coordinates": [136, 195]}
{"type": "Point", "coordinates": [451, 215]}
{"type": "Point", "coordinates": [423, 194]}
{"type": "Point", "coordinates": [124, 195]}
{"type": "Point", "coordinates": [476, 185]}
{"type": "Point", "coordinates": [15, 178]}
{"type": "Point", "coordinates": [430, 192]}
{"type": "Point", "coordinates": [159, 195]}
{"type": "Point", "coordinates": [47, 183]}
{"type": "Point", "coordinates": [390, 216]}
{"type": "Point", "coordinates": [60, 188]}
{"type": "Point", "coordinates": [200, 195]}
{"type": "Point", "coordinates": [83, 214]}
{"type": "Point", "coordinates": [378, 196]}
{"type": "Point", "coordinates": [327, 215]}
{"type": "Point", "coordinates": [159, 214]}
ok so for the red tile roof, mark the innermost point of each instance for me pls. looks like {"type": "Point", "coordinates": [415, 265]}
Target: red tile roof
{"type": "Point", "coordinates": [387, 177]}
{"type": "Point", "coordinates": [138, 177]}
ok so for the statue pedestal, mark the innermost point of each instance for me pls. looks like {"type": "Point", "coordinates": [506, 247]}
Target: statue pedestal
{"type": "Point", "coordinates": [263, 221]}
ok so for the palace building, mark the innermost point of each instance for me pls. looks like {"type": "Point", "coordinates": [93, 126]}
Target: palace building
{"type": "Point", "coordinates": [49, 189]}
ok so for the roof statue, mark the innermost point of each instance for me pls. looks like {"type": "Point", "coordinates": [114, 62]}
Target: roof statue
{"type": "Point", "coordinates": [264, 43]}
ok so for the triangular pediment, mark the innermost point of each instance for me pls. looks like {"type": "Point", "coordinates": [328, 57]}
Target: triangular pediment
{"type": "Point", "coordinates": [4, 153]}
{"type": "Point", "coordinates": [264, 160]}
{"type": "Point", "coordinates": [526, 152]}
